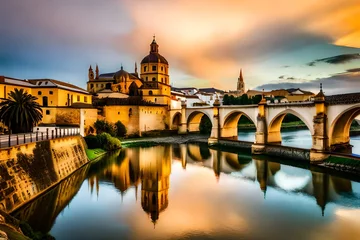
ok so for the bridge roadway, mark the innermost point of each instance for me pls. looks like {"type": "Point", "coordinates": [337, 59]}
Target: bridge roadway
{"type": "Point", "coordinates": [328, 119]}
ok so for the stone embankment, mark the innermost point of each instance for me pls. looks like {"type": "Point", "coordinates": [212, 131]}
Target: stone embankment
{"type": "Point", "coordinates": [30, 169]}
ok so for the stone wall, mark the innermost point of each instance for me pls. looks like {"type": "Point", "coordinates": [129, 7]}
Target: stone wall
{"type": "Point", "coordinates": [271, 150]}
{"type": "Point", "coordinates": [30, 169]}
{"type": "Point", "coordinates": [287, 152]}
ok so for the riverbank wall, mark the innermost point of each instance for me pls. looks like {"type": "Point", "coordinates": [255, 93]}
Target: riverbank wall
{"type": "Point", "coordinates": [30, 169]}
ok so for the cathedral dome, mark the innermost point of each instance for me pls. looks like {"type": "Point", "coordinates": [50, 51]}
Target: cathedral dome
{"type": "Point", "coordinates": [121, 75]}
{"type": "Point", "coordinates": [154, 56]}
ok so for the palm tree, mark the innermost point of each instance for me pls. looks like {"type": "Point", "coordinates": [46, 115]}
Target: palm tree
{"type": "Point", "coordinates": [20, 112]}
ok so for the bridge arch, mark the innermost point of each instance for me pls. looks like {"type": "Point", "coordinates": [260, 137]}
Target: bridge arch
{"type": "Point", "coordinates": [230, 123]}
{"type": "Point", "coordinates": [194, 119]}
{"type": "Point", "coordinates": [176, 121]}
{"type": "Point", "coordinates": [339, 131]}
{"type": "Point", "coordinates": [274, 126]}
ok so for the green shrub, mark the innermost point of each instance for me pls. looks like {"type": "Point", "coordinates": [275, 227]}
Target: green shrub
{"type": "Point", "coordinates": [120, 129]}
{"type": "Point", "coordinates": [92, 141]}
{"type": "Point", "coordinates": [112, 144]}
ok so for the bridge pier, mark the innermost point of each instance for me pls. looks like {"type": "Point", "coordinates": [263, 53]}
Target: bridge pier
{"type": "Point", "coordinates": [319, 150]}
{"type": "Point", "coordinates": [183, 123]}
{"type": "Point", "coordinates": [215, 130]}
{"type": "Point", "coordinates": [261, 130]}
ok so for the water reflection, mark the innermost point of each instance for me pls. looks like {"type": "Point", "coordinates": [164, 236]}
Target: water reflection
{"type": "Point", "coordinates": [237, 192]}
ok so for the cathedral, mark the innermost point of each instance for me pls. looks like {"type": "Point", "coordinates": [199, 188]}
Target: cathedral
{"type": "Point", "coordinates": [153, 83]}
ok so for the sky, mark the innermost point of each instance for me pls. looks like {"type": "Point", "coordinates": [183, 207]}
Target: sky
{"type": "Point", "coordinates": [277, 44]}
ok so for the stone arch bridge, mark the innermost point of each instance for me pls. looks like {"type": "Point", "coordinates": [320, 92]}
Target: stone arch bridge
{"type": "Point", "coordinates": [328, 119]}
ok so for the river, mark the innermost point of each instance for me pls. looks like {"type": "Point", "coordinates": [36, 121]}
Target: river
{"type": "Point", "coordinates": [188, 191]}
{"type": "Point", "coordinates": [300, 138]}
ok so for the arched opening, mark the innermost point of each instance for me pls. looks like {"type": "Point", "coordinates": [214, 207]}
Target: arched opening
{"type": "Point", "coordinates": [199, 122]}
{"type": "Point", "coordinates": [108, 86]}
{"type": "Point", "coordinates": [290, 129]}
{"type": "Point", "coordinates": [238, 126]}
{"type": "Point", "coordinates": [133, 89]}
{"type": "Point", "coordinates": [344, 135]}
{"type": "Point", "coordinates": [176, 122]}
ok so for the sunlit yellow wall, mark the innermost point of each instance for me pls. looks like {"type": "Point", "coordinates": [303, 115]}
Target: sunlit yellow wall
{"type": "Point", "coordinates": [97, 85]}
{"type": "Point", "coordinates": [128, 115]}
{"type": "Point", "coordinates": [153, 118]}
{"type": "Point", "coordinates": [66, 97]}
{"type": "Point", "coordinates": [6, 88]}
{"type": "Point", "coordinates": [160, 74]}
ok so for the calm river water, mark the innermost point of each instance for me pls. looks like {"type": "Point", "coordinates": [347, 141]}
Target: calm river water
{"type": "Point", "coordinates": [193, 192]}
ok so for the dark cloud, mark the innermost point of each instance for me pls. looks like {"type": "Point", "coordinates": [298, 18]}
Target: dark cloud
{"type": "Point", "coordinates": [353, 70]}
{"type": "Point", "coordinates": [282, 77]}
{"type": "Point", "coordinates": [340, 83]}
{"type": "Point", "coordinates": [286, 66]}
{"type": "Point", "coordinates": [290, 78]}
{"type": "Point", "coordinates": [339, 59]}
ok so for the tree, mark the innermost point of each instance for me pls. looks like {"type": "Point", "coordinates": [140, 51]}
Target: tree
{"type": "Point", "coordinates": [120, 129]}
{"type": "Point", "coordinates": [20, 112]}
{"type": "Point", "coordinates": [104, 126]}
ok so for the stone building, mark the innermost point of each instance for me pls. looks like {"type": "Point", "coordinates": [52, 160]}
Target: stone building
{"type": "Point", "coordinates": [63, 104]}
{"type": "Point", "coordinates": [152, 85]}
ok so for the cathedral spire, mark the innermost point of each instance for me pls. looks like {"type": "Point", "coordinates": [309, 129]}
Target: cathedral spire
{"type": "Point", "coordinates": [154, 47]}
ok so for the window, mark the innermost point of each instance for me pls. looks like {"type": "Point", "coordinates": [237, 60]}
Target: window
{"type": "Point", "coordinates": [85, 99]}
{"type": "Point", "coordinates": [78, 98]}
{"type": "Point", "coordinates": [47, 112]}
{"type": "Point", "coordinates": [118, 113]}
{"type": "Point", "coordinates": [162, 68]}
{"type": "Point", "coordinates": [155, 100]}
{"type": "Point", "coordinates": [145, 68]}
{"type": "Point", "coordinates": [130, 112]}
{"type": "Point", "coordinates": [162, 80]}
{"type": "Point", "coordinates": [150, 92]}
{"type": "Point", "coordinates": [51, 92]}
{"type": "Point", "coordinates": [146, 78]}
{"type": "Point", "coordinates": [39, 92]}
{"type": "Point", "coordinates": [91, 85]}
{"type": "Point", "coordinates": [154, 68]}
{"type": "Point", "coordinates": [102, 85]}
{"type": "Point", "coordinates": [45, 101]}
{"type": "Point", "coordinates": [154, 79]}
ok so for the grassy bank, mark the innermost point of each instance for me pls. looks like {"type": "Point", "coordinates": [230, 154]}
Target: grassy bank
{"type": "Point", "coordinates": [343, 161]}
{"type": "Point", "coordinates": [95, 153]}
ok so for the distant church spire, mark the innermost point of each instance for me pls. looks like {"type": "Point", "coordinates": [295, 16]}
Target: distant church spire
{"type": "Point", "coordinates": [240, 83]}
{"type": "Point", "coordinates": [136, 72]}
{"type": "Point", "coordinates": [97, 72]}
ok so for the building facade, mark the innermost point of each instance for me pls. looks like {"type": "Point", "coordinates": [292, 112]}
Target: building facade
{"type": "Point", "coordinates": [153, 84]}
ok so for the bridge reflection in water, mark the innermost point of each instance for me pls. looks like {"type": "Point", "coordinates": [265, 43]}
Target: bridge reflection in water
{"type": "Point", "coordinates": [150, 170]}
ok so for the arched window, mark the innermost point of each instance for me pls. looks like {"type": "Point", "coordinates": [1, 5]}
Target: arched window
{"type": "Point", "coordinates": [39, 92]}
{"type": "Point", "coordinates": [155, 100]}
{"type": "Point", "coordinates": [150, 92]}
{"type": "Point", "coordinates": [154, 79]}
{"type": "Point", "coordinates": [153, 199]}
{"type": "Point", "coordinates": [145, 68]}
